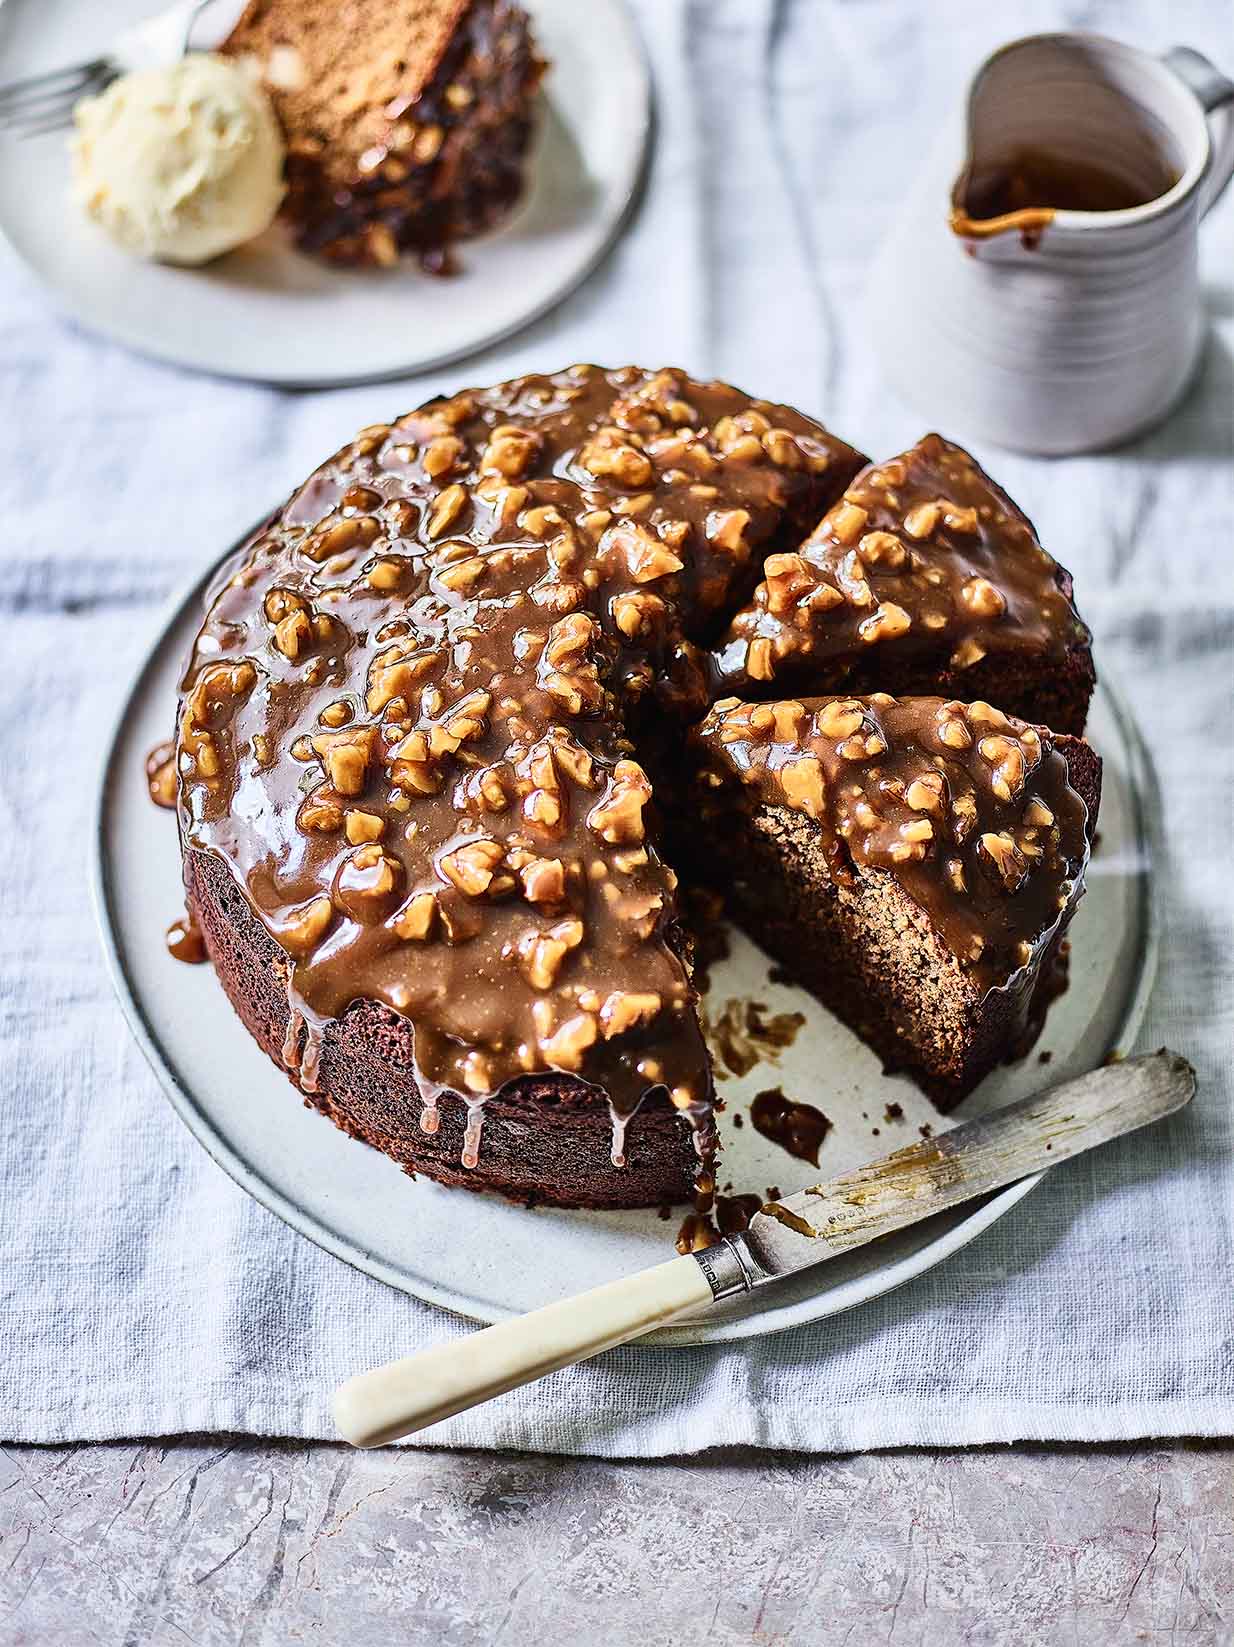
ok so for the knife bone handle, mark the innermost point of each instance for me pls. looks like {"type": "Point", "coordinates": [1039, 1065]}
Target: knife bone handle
{"type": "Point", "coordinates": [405, 1396]}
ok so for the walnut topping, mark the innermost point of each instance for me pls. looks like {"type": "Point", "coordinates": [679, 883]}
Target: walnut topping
{"type": "Point", "coordinates": [726, 529]}
{"type": "Point", "coordinates": [1037, 814]}
{"type": "Point", "coordinates": [511, 451]}
{"type": "Point", "coordinates": [886, 623]}
{"type": "Point", "coordinates": [982, 599]}
{"type": "Point", "coordinates": [1005, 858]}
{"type": "Point", "coordinates": [446, 510]}
{"type": "Point", "coordinates": [802, 781]}
{"type": "Point", "coordinates": [840, 719]}
{"type": "Point", "coordinates": [609, 455]}
{"type": "Point", "coordinates": [645, 557]}
{"type": "Point", "coordinates": [882, 550]}
{"type": "Point", "coordinates": [304, 925]}
{"type": "Point", "coordinates": [544, 880]}
{"type": "Point", "coordinates": [920, 522]}
{"type": "Point", "coordinates": [925, 794]}
{"type": "Point", "coordinates": [564, 1049]}
{"type": "Point", "coordinates": [320, 813]}
{"type": "Point", "coordinates": [848, 521]}
{"type": "Point", "coordinates": [618, 817]}
{"type": "Point", "coordinates": [345, 756]}
{"type": "Point", "coordinates": [452, 613]}
{"type": "Point", "coordinates": [415, 922]}
{"type": "Point", "coordinates": [626, 1009]}
{"type": "Point", "coordinates": [967, 653]}
{"type": "Point", "coordinates": [1007, 758]}
{"type": "Point", "coordinates": [367, 883]}
{"type": "Point", "coordinates": [364, 826]}
{"type": "Point", "coordinates": [442, 455]}
{"type": "Point", "coordinates": [759, 662]}
{"type": "Point", "coordinates": [473, 866]}
{"type": "Point", "coordinates": [952, 727]}
{"type": "Point", "coordinates": [638, 613]}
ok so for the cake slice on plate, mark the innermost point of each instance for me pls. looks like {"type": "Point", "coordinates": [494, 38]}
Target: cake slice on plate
{"type": "Point", "coordinates": [913, 861]}
{"type": "Point", "coordinates": [924, 577]}
{"type": "Point", "coordinates": [407, 124]}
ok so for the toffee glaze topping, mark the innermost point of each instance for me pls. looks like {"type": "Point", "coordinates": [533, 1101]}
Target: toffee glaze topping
{"type": "Point", "coordinates": [924, 565]}
{"type": "Point", "coordinates": [411, 719]}
{"type": "Point", "coordinates": [970, 810]}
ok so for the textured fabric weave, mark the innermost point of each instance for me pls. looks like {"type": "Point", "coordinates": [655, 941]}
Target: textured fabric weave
{"type": "Point", "coordinates": [142, 1292]}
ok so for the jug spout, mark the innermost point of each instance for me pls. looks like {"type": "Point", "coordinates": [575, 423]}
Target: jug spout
{"type": "Point", "coordinates": [1055, 137]}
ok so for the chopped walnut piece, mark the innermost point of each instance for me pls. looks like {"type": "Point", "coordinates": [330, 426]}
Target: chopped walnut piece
{"type": "Point", "coordinates": [345, 755]}
{"type": "Point", "coordinates": [364, 826]}
{"type": "Point", "coordinates": [511, 451]}
{"type": "Point", "coordinates": [544, 881]}
{"type": "Point", "coordinates": [415, 922]}
{"type": "Point", "coordinates": [1007, 758]}
{"type": "Point", "coordinates": [609, 455]}
{"type": "Point", "coordinates": [320, 813]}
{"type": "Point", "coordinates": [625, 1009]}
{"type": "Point", "coordinates": [967, 653]}
{"type": "Point", "coordinates": [840, 719]}
{"type": "Point", "coordinates": [473, 866]}
{"type": "Point", "coordinates": [925, 794]}
{"type": "Point", "coordinates": [1002, 853]}
{"type": "Point", "coordinates": [564, 1049]}
{"type": "Point", "coordinates": [442, 455]}
{"type": "Point", "coordinates": [726, 529]}
{"type": "Point", "coordinates": [446, 509]}
{"type": "Point", "coordinates": [759, 664]}
{"type": "Point", "coordinates": [848, 521]}
{"type": "Point", "coordinates": [304, 924]}
{"type": "Point", "coordinates": [952, 727]}
{"type": "Point", "coordinates": [921, 521]}
{"type": "Point", "coordinates": [645, 557]}
{"type": "Point", "coordinates": [367, 882]}
{"type": "Point", "coordinates": [802, 782]}
{"type": "Point", "coordinates": [637, 613]}
{"type": "Point", "coordinates": [982, 599]}
{"type": "Point", "coordinates": [618, 817]}
{"type": "Point", "coordinates": [786, 578]}
{"type": "Point", "coordinates": [882, 550]}
{"type": "Point", "coordinates": [886, 623]}
{"type": "Point", "coordinates": [1037, 814]}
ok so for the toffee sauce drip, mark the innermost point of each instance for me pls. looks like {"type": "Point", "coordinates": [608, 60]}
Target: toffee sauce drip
{"type": "Point", "coordinates": [185, 942]}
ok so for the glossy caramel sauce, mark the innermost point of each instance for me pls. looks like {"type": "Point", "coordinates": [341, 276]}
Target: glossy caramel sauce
{"type": "Point", "coordinates": [1026, 192]}
{"type": "Point", "coordinates": [161, 774]}
{"type": "Point", "coordinates": [797, 1127]}
{"type": "Point", "coordinates": [185, 942]}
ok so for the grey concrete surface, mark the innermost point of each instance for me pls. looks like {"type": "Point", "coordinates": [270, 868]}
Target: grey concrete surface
{"type": "Point", "coordinates": [219, 1541]}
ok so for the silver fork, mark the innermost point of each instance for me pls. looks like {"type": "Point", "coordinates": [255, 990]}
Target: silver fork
{"type": "Point", "coordinates": [44, 102]}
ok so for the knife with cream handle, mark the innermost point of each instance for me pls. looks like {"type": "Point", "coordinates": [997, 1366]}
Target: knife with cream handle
{"type": "Point", "coordinates": [788, 1235]}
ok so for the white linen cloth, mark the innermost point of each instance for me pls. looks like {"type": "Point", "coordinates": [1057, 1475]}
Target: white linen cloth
{"type": "Point", "coordinates": [142, 1292]}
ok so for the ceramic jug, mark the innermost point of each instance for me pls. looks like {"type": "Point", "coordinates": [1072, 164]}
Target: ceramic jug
{"type": "Point", "coordinates": [1041, 327]}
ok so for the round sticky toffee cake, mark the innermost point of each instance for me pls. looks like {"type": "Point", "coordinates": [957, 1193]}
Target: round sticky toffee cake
{"type": "Point", "coordinates": [415, 735]}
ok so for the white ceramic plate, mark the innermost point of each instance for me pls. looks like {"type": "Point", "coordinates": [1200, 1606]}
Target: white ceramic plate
{"type": "Point", "coordinates": [486, 1259]}
{"type": "Point", "coordinates": [267, 312]}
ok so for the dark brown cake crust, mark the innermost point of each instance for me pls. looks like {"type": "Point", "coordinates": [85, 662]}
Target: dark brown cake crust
{"type": "Point", "coordinates": [547, 1138]}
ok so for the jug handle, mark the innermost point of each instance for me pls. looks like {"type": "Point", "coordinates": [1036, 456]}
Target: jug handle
{"type": "Point", "coordinates": [1215, 94]}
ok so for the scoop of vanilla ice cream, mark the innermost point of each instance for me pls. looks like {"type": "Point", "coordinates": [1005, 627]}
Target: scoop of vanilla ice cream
{"type": "Point", "coordinates": [182, 163]}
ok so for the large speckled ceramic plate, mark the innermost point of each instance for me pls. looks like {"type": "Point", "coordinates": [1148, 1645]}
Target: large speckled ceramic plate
{"type": "Point", "coordinates": [486, 1259]}
{"type": "Point", "coordinates": [269, 313]}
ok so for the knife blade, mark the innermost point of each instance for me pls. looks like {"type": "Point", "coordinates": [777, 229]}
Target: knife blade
{"type": "Point", "coordinates": [968, 1161]}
